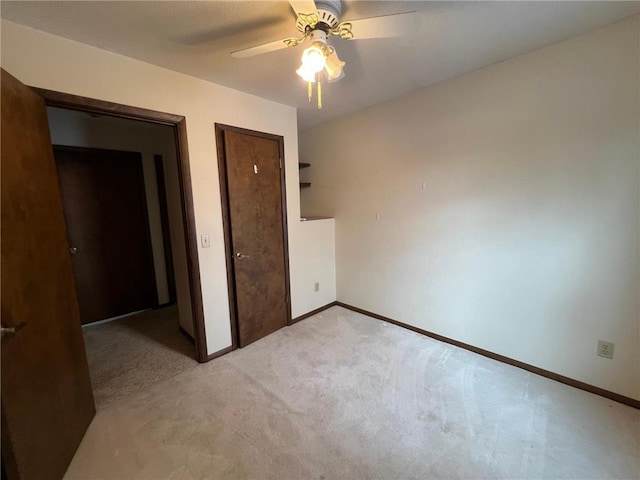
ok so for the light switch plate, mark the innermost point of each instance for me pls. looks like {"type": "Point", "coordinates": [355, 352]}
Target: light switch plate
{"type": "Point", "coordinates": [205, 241]}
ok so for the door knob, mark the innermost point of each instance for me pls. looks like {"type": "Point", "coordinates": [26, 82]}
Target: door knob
{"type": "Point", "coordinates": [11, 330]}
{"type": "Point", "coordinates": [74, 250]}
{"type": "Point", "coordinates": [242, 255]}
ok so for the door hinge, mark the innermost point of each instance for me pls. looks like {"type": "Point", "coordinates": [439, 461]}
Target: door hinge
{"type": "Point", "coordinates": [280, 163]}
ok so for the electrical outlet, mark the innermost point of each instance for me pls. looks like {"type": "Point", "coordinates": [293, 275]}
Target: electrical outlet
{"type": "Point", "coordinates": [605, 349]}
{"type": "Point", "coordinates": [316, 287]}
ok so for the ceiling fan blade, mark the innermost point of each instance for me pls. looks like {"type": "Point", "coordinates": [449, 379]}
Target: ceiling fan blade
{"type": "Point", "coordinates": [260, 49]}
{"type": "Point", "coordinates": [303, 6]}
{"type": "Point", "coordinates": [386, 26]}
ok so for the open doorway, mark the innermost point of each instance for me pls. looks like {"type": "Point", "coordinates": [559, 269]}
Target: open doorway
{"type": "Point", "coordinates": [122, 186]}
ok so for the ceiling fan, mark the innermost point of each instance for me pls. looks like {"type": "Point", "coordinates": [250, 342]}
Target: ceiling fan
{"type": "Point", "coordinates": [317, 21]}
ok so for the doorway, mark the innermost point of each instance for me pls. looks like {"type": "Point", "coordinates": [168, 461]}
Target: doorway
{"type": "Point", "coordinates": [123, 220]}
{"type": "Point", "coordinates": [179, 166]}
{"type": "Point", "coordinates": [45, 380]}
{"type": "Point", "coordinates": [252, 180]}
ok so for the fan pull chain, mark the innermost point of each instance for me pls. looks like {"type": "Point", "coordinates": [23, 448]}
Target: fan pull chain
{"type": "Point", "coordinates": [310, 91]}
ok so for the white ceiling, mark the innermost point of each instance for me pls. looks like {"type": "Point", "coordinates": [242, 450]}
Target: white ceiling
{"type": "Point", "coordinates": [196, 38]}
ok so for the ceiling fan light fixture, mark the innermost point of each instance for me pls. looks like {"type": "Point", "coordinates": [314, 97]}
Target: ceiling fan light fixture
{"type": "Point", "coordinates": [306, 74]}
{"type": "Point", "coordinates": [319, 56]}
{"type": "Point", "coordinates": [313, 61]}
{"type": "Point", "coordinates": [334, 67]}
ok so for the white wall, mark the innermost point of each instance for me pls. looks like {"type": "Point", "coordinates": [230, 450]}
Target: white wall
{"type": "Point", "coordinates": [79, 129]}
{"type": "Point", "coordinates": [47, 61]}
{"type": "Point", "coordinates": [525, 238]}
{"type": "Point", "coordinates": [314, 242]}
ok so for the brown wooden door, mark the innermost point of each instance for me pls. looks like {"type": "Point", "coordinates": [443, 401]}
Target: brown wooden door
{"type": "Point", "coordinates": [104, 204]}
{"type": "Point", "coordinates": [47, 402]}
{"type": "Point", "coordinates": [256, 199]}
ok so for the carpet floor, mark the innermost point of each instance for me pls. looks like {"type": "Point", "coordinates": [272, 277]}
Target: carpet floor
{"type": "Point", "coordinates": [342, 395]}
{"type": "Point", "coordinates": [134, 352]}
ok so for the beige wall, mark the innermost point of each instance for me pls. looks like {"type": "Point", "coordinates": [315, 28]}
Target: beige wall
{"type": "Point", "coordinates": [55, 63]}
{"type": "Point", "coordinates": [508, 204]}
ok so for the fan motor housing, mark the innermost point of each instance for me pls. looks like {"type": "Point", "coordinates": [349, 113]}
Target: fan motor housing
{"type": "Point", "coordinates": [328, 14]}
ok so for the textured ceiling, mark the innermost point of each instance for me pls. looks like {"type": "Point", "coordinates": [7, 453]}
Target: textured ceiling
{"type": "Point", "coordinates": [196, 38]}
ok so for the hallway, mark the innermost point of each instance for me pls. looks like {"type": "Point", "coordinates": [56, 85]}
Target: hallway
{"type": "Point", "coordinates": [133, 353]}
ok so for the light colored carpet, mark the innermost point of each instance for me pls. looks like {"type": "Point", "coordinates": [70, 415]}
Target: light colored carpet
{"type": "Point", "coordinates": [132, 353]}
{"type": "Point", "coordinates": [341, 395]}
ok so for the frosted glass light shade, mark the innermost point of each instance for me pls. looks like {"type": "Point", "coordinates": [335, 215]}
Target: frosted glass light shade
{"type": "Point", "coordinates": [334, 67]}
{"type": "Point", "coordinates": [313, 61]}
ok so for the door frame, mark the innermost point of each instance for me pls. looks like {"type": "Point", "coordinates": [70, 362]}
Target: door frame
{"type": "Point", "coordinates": [166, 234]}
{"type": "Point", "coordinates": [226, 220]}
{"type": "Point", "coordinates": [179, 124]}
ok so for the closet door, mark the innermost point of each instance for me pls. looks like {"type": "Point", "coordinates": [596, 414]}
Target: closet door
{"type": "Point", "coordinates": [105, 208]}
{"type": "Point", "coordinates": [254, 182]}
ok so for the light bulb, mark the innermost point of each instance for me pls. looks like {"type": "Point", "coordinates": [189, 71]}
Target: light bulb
{"type": "Point", "coordinates": [306, 73]}
{"type": "Point", "coordinates": [314, 59]}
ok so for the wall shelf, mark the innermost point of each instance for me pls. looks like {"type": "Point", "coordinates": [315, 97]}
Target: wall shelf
{"type": "Point", "coordinates": [302, 165]}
